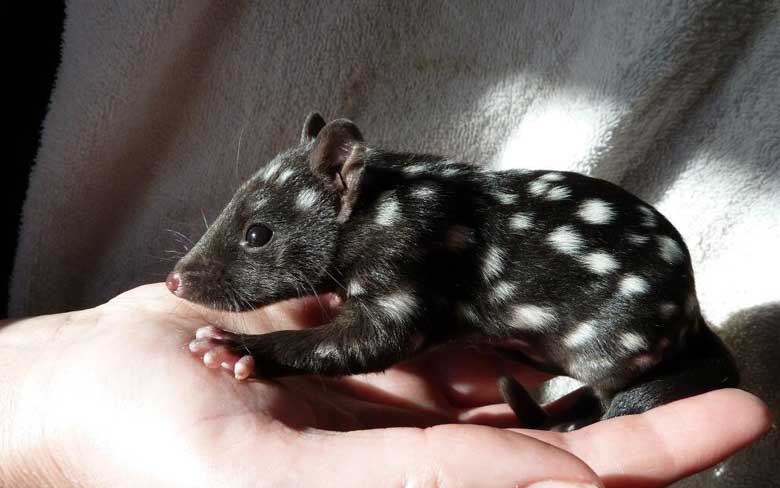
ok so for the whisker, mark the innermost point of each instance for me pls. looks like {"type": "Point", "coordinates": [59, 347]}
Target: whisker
{"type": "Point", "coordinates": [322, 307]}
{"type": "Point", "coordinates": [333, 278]}
{"type": "Point", "coordinates": [238, 152]}
{"type": "Point", "coordinates": [180, 235]}
{"type": "Point", "coordinates": [167, 259]}
{"type": "Point", "coordinates": [205, 222]}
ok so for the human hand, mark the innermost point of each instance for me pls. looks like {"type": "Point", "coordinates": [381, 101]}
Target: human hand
{"type": "Point", "coordinates": [111, 396]}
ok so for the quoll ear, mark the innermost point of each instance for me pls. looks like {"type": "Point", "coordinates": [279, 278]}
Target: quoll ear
{"type": "Point", "coordinates": [313, 125]}
{"type": "Point", "coordinates": [337, 159]}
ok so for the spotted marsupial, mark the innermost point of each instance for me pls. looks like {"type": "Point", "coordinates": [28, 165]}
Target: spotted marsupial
{"type": "Point", "coordinates": [570, 274]}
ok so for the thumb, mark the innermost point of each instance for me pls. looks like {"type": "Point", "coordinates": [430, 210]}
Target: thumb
{"type": "Point", "coordinates": [441, 456]}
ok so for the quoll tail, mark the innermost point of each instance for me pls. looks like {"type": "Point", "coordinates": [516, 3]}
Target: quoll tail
{"type": "Point", "coordinates": [528, 412]}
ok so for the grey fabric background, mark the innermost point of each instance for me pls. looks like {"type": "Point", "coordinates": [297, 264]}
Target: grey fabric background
{"type": "Point", "coordinates": [675, 100]}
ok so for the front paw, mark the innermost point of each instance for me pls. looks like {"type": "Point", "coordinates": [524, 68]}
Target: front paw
{"type": "Point", "coordinates": [220, 348]}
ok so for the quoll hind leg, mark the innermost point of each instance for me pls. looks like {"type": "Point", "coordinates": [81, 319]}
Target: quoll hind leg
{"type": "Point", "coordinates": [704, 365]}
{"type": "Point", "coordinates": [577, 409]}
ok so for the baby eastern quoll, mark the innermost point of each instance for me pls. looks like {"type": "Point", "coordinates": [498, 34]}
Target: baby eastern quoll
{"type": "Point", "coordinates": [570, 274]}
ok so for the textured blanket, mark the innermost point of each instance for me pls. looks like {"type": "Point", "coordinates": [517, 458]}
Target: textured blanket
{"type": "Point", "coordinates": [162, 108]}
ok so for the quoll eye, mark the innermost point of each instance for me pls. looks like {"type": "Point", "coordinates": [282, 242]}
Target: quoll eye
{"type": "Point", "coordinates": [258, 235]}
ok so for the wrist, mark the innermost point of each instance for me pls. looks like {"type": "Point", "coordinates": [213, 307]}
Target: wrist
{"type": "Point", "coordinates": [28, 454]}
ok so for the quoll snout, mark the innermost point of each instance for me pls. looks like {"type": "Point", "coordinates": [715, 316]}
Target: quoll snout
{"type": "Point", "coordinates": [174, 284]}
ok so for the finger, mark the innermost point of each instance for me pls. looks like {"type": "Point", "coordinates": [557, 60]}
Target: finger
{"type": "Point", "coordinates": [401, 387]}
{"type": "Point", "coordinates": [340, 411]}
{"type": "Point", "coordinates": [290, 314]}
{"type": "Point", "coordinates": [446, 455]}
{"type": "Point", "coordinates": [670, 442]}
{"type": "Point", "coordinates": [469, 378]}
{"type": "Point", "coordinates": [444, 383]}
{"type": "Point", "coordinates": [496, 415]}
{"type": "Point", "coordinates": [300, 313]}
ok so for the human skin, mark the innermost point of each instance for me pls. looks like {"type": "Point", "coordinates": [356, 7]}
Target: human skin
{"type": "Point", "coordinates": [112, 397]}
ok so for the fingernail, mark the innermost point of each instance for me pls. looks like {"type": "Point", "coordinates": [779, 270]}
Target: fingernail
{"type": "Point", "coordinates": [561, 484]}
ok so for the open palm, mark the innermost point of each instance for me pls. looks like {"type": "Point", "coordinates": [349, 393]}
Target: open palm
{"type": "Point", "coordinates": [134, 407]}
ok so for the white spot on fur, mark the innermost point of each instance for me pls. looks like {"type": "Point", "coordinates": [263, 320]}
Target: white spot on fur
{"type": "Point", "coordinates": [552, 177]}
{"type": "Point", "coordinates": [558, 193]}
{"type": "Point", "coordinates": [399, 306]}
{"type": "Point", "coordinates": [538, 187]}
{"type": "Point", "coordinates": [449, 172]}
{"type": "Point", "coordinates": [389, 210]}
{"type": "Point", "coordinates": [415, 169]}
{"type": "Point", "coordinates": [648, 216]}
{"type": "Point", "coordinates": [326, 350]}
{"type": "Point", "coordinates": [566, 240]}
{"type": "Point", "coordinates": [424, 192]}
{"type": "Point", "coordinates": [596, 211]}
{"type": "Point", "coordinates": [503, 291]}
{"type": "Point", "coordinates": [670, 250]}
{"type": "Point", "coordinates": [355, 288]}
{"type": "Point", "coordinates": [520, 221]}
{"type": "Point", "coordinates": [533, 316]}
{"type": "Point", "coordinates": [459, 237]}
{"type": "Point", "coordinates": [637, 239]}
{"type": "Point", "coordinates": [668, 310]}
{"type": "Point", "coordinates": [632, 341]}
{"type": "Point", "coordinates": [271, 170]}
{"type": "Point", "coordinates": [284, 176]}
{"type": "Point", "coordinates": [632, 284]}
{"type": "Point", "coordinates": [600, 262]}
{"type": "Point", "coordinates": [493, 263]}
{"type": "Point", "coordinates": [306, 199]}
{"type": "Point", "coordinates": [504, 198]}
{"type": "Point", "coordinates": [581, 335]}
{"type": "Point", "coordinates": [645, 361]}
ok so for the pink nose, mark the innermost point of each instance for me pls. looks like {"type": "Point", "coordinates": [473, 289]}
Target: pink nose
{"type": "Point", "coordinates": [173, 282]}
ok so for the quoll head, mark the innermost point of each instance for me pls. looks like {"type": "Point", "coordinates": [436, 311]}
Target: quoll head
{"type": "Point", "coordinates": [277, 237]}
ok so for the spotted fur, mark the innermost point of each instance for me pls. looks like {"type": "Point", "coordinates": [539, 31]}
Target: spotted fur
{"type": "Point", "coordinates": [571, 274]}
